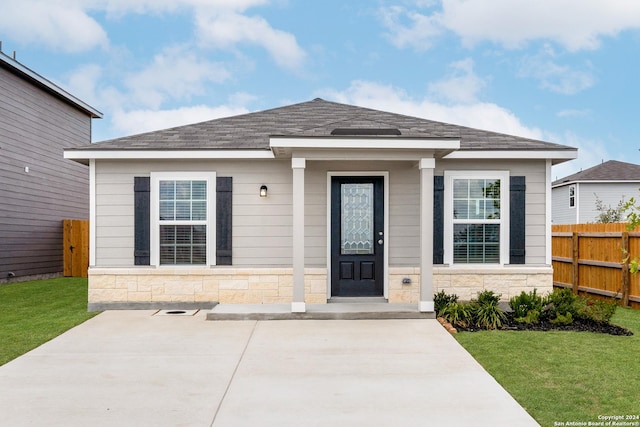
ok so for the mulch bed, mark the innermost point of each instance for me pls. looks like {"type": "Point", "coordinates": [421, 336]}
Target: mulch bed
{"type": "Point", "coordinates": [577, 325]}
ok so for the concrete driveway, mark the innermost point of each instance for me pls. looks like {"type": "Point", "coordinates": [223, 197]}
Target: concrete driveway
{"type": "Point", "coordinates": [133, 368]}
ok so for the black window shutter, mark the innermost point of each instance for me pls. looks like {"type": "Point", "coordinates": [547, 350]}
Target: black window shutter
{"type": "Point", "coordinates": [517, 205]}
{"type": "Point", "coordinates": [224, 220]}
{"type": "Point", "coordinates": [438, 219]}
{"type": "Point", "coordinates": [142, 218]}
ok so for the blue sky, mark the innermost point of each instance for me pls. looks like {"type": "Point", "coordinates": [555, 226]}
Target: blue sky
{"type": "Point", "coordinates": [564, 71]}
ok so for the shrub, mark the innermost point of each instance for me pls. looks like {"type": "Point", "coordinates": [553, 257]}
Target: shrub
{"type": "Point", "coordinates": [562, 319]}
{"type": "Point", "coordinates": [487, 297]}
{"type": "Point", "coordinates": [487, 313]}
{"type": "Point", "coordinates": [593, 309]}
{"type": "Point", "coordinates": [458, 314]}
{"type": "Point", "coordinates": [560, 303]}
{"type": "Point", "coordinates": [441, 299]}
{"type": "Point", "coordinates": [526, 307]}
{"type": "Point", "coordinates": [564, 306]}
{"type": "Point", "coordinates": [532, 317]}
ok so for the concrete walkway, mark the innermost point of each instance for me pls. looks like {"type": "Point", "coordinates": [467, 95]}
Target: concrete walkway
{"type": "Point", "coordinates": [133, 368]}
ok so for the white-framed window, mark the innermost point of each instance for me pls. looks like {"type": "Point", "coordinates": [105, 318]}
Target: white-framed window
{"type": "Point", "coordinates": [572, 196]}
{"type": "Point", "coordinates": [476, 223]}
{"type": "Point", "coordinates": [183, 218]}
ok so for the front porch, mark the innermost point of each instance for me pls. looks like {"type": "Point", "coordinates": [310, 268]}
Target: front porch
{"type": "Point", "coordinates": [360, 310]}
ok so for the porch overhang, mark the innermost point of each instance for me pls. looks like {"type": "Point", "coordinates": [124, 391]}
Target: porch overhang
{"type": "Point", "coordinates": [364, 148]}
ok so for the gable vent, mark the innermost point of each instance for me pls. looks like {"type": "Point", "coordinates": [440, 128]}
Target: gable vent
{"type": "Point", "coordinates": [366, 131]}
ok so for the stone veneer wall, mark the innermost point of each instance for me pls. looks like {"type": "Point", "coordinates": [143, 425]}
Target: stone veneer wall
{"type": "Point", "coordinates": [223, 285]}
{"type": "Point", "coordinates": [467, 283]}
{"type": "Point", "coordinates": [130, 287]}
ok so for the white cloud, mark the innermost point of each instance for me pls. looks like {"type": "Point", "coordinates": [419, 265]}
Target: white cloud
{"type": "Point", "coordinates": [139, 121]}
{"type": "Point", "coordinates": [62, 26]}
{"type": "Point", "coordinates": [176, 73]}
{"type": "Point", "coordinates": [410, 29]}
{"type": "Point", "coordinates": [67, 25]}
{"type": "Point", "coordinates": [479, 115]}
{"type": "Point", "coordinates": [462, 85]}
{"type": "Point", "coordinates": [574, 24]}
{"type": "Point", "coordinates": [82, 82]}
{"type": "Point", "coordinates": [162, 6]}
{"type": "Point", "coordinates": [227, 29]}
{"type": "Point", "coordinates": [555, 77]}
{"type": "Point", "coordinates": [573, 113]}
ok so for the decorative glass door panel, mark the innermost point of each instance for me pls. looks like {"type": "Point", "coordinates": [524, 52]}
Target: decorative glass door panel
{"type": "Point", "coordinates": [357, 219]}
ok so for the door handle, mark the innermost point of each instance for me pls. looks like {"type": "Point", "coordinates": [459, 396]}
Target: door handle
{"type": "Point", "coordinates": [380, 241]}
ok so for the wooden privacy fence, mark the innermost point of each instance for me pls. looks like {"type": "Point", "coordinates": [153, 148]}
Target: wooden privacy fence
{"type": "Point", "coordinates": [76, 247]}
{"type": "Point", "coordinates": [589, 259]}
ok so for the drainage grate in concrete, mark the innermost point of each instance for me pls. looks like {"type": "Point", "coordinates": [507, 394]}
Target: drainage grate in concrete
{"type": "Point", "coordinates": [175, 312]}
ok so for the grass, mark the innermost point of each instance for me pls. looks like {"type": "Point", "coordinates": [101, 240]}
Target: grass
{"type": "Point", "coordinates": [32, 313]}
{"type": "Point", "coordinates": [565, 376]}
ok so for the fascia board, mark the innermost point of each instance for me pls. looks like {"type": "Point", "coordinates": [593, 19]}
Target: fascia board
{"type": "Point", "coordinates": [364, 143]}
{"type": "Point", "coordinates": [562, 155]}
{"type": "Point", "coordinates": [166, 154]}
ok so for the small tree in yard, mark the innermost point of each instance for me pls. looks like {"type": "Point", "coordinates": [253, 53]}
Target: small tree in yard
{"type": "Point", "coordinates": [632, 211]}
{"type": "Point", "coordinates": [609, 214]}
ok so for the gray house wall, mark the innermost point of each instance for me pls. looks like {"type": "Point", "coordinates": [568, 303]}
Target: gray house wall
{"type": "Point", "coordinates": [35, 126]}
{"type": "Point", "coordinates": [562, 213]}
{"type": "Point", "coordinates": [609, 193]}
{"type": "Point", "coordinates": [587, 193]}
{"type": "Point", "coordinates": [262, 227]}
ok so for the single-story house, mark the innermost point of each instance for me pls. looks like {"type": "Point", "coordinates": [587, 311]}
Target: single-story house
{"type": "Point", "coordinates": [317, 201]}
{"type": "Point", "coordinates": [575, 196]}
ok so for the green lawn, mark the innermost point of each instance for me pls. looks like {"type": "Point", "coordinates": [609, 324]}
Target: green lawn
{"type": "Point", "coordinates": [32, 313]}
{"type": "Point", "coordinates": [561, 377]}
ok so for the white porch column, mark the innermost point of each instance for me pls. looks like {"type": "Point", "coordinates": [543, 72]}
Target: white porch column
{"type": "Point", "coordinates": [298, 164]}
{"type": "Point", "coordinates": [426, 167]}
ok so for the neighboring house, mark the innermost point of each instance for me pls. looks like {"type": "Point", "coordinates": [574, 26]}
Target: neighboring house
{"type": "Point", "coordinates": [314, 201]}
{"type": "Point", "coordinates": [38, 187]}
{"type": "Point", "coordinates": [575, 196]}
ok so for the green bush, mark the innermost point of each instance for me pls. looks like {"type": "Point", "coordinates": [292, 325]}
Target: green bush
{"type": "Point", "coordinates": [526, 307]}
{"type": "Point", "coordinates": [487, 297]}
{"type": "Point", "coordinates": [564, 306]}
{"type": "Point", "coordinates": [593, 309]}
{"type": "Point", "coordinates": [486, 312]}
{"type": "Point", "coordinates": [559, 304]}
{"type": "Point", "coordinates": [562, 319]}
{"type": "Point", "coordinates": [458, 314]}
{"type": "Point", "coordinates": [441, 299]}
{"type": "Point", "coordinates": [532, 317]}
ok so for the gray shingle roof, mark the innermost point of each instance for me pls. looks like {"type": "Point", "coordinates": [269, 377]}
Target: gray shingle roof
{"type": "Point", "coordinates": [612, 170]}
{"type": "Point", "coordinates": [316, 118]}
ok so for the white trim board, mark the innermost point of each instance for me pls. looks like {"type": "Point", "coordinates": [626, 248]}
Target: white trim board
{"type": "Point", "coordinates": [80, 155]}
{"type": "Point", "coordinates": [558, 156]}
{"type": "Point", "coordinates": [394, 143]}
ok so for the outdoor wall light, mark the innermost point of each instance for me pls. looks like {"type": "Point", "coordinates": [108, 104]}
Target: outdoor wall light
{"type": "Point", "coordinates": [263, 191]}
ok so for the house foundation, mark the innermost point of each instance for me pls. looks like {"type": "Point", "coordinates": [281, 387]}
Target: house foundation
{"type": "Point", "coordinates": [126, 288]}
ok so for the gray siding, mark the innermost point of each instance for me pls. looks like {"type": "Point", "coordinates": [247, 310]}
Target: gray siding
{"type": "Point", "coordinates": [35, 127]}
{"type": "Point", "coordinates": [608, 193]}
{"type": "Point", "coordinates": [534, 172]}
{"type": "Point", "coordinates": [586, 195]}
{"type": "Point", "coordinates": [262, 227]}
{"type": "Point", "coordinates": [562, 213]}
